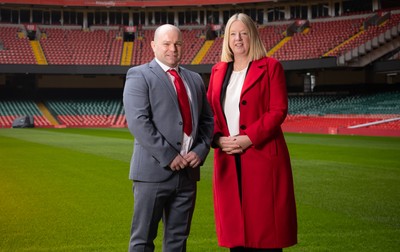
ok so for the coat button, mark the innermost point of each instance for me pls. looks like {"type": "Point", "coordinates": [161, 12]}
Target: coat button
{"type": "Point", "coordinates": [243, 127]}
{"type": "Point", "coordinates": [179, 143]}
{"type": "Point", "coordinates": [244, 102]}
{"type": "Point", "coordinates": [180, 123]}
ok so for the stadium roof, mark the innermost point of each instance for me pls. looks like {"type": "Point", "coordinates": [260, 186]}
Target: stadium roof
{"type": "Point", "coordinates": [132, 3]}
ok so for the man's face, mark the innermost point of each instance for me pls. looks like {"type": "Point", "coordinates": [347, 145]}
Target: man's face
{"type": "Point", "coordinates": [167, 47]}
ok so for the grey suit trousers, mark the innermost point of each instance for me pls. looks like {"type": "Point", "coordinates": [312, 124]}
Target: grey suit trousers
{"type": "Point", "coordinates": [172, 201]}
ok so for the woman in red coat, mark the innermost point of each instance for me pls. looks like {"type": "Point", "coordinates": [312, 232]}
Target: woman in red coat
{"type": "Point", "coordinates": [254, 202]}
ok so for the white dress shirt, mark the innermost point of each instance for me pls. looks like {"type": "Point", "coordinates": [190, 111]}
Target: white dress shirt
{"type": "Point", "coordinates": [187, 141]}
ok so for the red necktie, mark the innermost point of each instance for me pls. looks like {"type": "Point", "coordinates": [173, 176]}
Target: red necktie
{"type": "Point", "coordinates": [183, 101]}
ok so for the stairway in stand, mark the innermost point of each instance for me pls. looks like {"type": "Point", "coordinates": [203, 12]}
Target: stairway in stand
{"type": "Point", "coordinates": [38, 52]}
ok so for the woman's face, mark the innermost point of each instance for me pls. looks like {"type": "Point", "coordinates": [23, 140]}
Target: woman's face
{"type": "Point", "coordinates": [239, 40]}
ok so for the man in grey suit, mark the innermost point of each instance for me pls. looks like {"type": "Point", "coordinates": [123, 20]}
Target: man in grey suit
{"type": "Point", "coordinates": [170, 145]}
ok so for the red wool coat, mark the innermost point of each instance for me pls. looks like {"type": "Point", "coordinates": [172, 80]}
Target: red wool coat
{"type": "Point", "coordinates": [267, 216]}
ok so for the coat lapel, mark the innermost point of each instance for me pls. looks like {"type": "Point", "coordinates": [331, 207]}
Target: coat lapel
{"type": "Point", "coordinates": [219, 76]}
{"type": "Point", "coordinates": [257, 68]}
{"type": "Point", "coordinates": [164, 80]}
{"type": "Point", "coordinates": [218, 80]}
{"type": "Point", "coordinates": [189, 81]}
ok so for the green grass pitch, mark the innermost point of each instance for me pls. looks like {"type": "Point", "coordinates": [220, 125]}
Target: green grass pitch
{"type": "Point", "coordinates": [68, 190]}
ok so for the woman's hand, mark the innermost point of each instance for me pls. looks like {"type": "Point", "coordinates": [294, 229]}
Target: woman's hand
{"type": "Point", "coordinates": [234, 144]}
{"type": "Point", "coordinates": [243, 140]}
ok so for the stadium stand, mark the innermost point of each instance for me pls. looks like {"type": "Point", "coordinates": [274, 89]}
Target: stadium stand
{"type": "Point", "coordinates": [10, 109]}
{"type": "Point", "coordinates": [193, 41]}
{"type": "Point", "coordinates": [84, 112]}
{"type": "Point", "coordinates": [70, 45]}
{"type": "Point", "coordinates": [318, 39]}
{"type": "Point", "coordinates": [325, 114]}
{"type": "Point", "coordinates": [73, 46]}
{"type": "Point", "coordinates": [365, 34]}
{"type": "Point", "coordinates": [142, 51]}
{"type": "Point", "coordinates": [329, 114]}
{"type": "Point", "coordinates": [16, 47]}
{"type": "Point", "coordinates": [214, 53]}
{"type": "Point", "coordinates": [286, 39]}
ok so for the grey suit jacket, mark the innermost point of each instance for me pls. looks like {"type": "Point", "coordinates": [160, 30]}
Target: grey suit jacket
{"type": "Point", "coordinates": [153, 116]}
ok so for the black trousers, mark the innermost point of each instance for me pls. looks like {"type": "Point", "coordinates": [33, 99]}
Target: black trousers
{"type": "Point", "coordinates": [242, 249]}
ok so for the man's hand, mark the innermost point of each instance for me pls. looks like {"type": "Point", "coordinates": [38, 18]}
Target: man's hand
{"type": "Point", "coordinates": [193, 159]}
{"type": "Point", "coordinates": [178, 163]}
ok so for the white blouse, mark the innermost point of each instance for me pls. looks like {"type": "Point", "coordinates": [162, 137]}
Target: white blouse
{"type": "Point", "coordinates": [232, 99]}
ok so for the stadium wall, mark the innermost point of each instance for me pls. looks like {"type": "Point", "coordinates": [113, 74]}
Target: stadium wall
{"type": "Point", "coordinates": [102, 77]}
{"type": "Point", "coordinates": [80, 81]}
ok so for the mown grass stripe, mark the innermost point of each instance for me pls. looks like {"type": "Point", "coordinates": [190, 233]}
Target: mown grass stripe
{"type": "Point", "coordinates": [68, 190]}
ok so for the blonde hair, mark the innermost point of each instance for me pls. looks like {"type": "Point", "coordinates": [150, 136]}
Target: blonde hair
{"type": "Point", "coordinates": [257, 48]}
